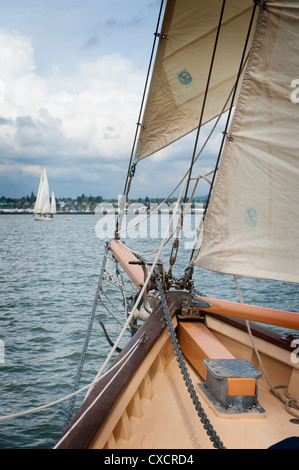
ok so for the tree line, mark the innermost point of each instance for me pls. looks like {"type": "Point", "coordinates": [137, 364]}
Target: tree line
{"type": "Point", "coordinates": [83, 200]}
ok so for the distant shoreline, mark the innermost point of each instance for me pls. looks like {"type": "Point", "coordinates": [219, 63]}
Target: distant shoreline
{"type": "Point", "coordinates": [58, 213]}
{"type": "Point", "coordinates": [192, 211]}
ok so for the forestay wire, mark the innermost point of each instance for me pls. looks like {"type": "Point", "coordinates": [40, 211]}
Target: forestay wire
{"type": "Point", "coordinates": [86, 343]}
{"type": "Point", "coordinates": [131, 168]}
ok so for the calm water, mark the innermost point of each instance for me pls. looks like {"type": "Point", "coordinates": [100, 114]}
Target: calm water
{"type": "Point", "coordinates": [49, 274]}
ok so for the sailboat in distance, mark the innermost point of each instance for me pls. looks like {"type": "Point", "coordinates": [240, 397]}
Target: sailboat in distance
{"type": "Point", "coordinates": [43, 210]}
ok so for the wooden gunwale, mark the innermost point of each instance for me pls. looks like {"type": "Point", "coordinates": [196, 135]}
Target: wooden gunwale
{"type": "Point", "coordinates": [260, 331]}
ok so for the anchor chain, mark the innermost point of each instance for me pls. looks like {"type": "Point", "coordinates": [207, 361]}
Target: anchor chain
{"type": "Point", "coordinates": [184, 371]}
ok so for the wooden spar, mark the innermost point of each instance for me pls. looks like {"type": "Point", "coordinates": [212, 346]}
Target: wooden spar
{"type": "Point", "coordinates": [124, 256]}
{"type": "Point", "coordinates": [254, 313]}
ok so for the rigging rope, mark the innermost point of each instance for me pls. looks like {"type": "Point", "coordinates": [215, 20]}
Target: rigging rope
{"type": "Point", "coordinates": [288, 401]}
{"type": "Point", "coordinates": [118, 282]}
{"type": "Point", "coordinates": [131, 168]}
{"type": "Point", "coordinates": [179, 225]}
{"type": "Point", "coordinates": [127, 357]}
{"type": "Point", "coordinates": [86, 343]}
{"type": "Point", "coordinates": [60, 400]}
{"type": "Point", "coordinates": [156, 36]}
{"type": "Point", "coordinates": [197, 157]}
{"type": "Point", "coordinates": [141, 293]}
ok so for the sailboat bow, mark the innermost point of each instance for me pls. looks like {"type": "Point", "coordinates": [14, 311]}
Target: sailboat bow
{"type": "Point", "coordinates": [198, 372]}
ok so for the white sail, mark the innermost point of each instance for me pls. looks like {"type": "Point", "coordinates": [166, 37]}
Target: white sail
{"type": "Point", "coordinates": [182, 64]}
{"type": "Point", "coordinates": [42, 203]}
{"type": "Point", "coordinates": [53, 204]}
{"type": "Point", "coordinates": [252, 224]}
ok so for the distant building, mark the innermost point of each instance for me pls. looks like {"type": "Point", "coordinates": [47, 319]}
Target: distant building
{"type": "Point", "coordinates": [198, 207]}
{"type": "Point", "coordinates": [172, 206]}
{"type": "Point", "coordinates": [136, 208]}
{"type": "Point", "coordinates": [105, 208]}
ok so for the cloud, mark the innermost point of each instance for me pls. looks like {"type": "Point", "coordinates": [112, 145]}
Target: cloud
{"type": "Point", "coordinates": [91, 43]}
{"type": "Point", "coordinates": [117, 24]}
{"type": "Point", "coordinates": [90, 115]}
{"type": "Point", "coordinates": [81, 125]}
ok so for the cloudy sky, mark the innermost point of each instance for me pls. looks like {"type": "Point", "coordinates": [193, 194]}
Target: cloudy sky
{"type": "Point", "coordinates": [71, 79]}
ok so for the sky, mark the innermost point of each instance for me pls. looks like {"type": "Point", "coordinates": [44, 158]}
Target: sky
{"type": "Point", "coordinates": [72, 74]}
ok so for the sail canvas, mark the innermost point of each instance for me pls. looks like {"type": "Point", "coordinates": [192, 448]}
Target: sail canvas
{"type": "Point", "coordinates": [53, 204]}
{"type": "Point", "coordinates": [252, 223]}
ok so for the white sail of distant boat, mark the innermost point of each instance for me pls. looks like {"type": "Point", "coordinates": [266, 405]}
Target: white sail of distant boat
{"type": "Point", "coordinates": [42, 210]}
{"type": "Point", "coordinates": [53, 204]}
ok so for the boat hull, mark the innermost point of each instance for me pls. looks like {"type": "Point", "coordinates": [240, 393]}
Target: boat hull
{"type": "Point", "coordinates": [39, 218]}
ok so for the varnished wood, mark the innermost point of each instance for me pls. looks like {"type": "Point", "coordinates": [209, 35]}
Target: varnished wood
{"type": "Point", "coordinates": [258, 330]}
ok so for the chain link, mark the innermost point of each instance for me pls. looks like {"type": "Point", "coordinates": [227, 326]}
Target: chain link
{"type": "Point", "coordinates": [184, 371]}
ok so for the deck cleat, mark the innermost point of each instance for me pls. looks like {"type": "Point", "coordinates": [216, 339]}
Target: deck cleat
{"type": "Point", "coordinates": [191, 309]}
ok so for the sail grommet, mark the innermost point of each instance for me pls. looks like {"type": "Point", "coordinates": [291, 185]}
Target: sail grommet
{"type": "Point", "coordinates": [161, 36]}
{"type": "Point", "coordinates": [228, 137]}
{"type": "Point", "coordinates": [143, 126]}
